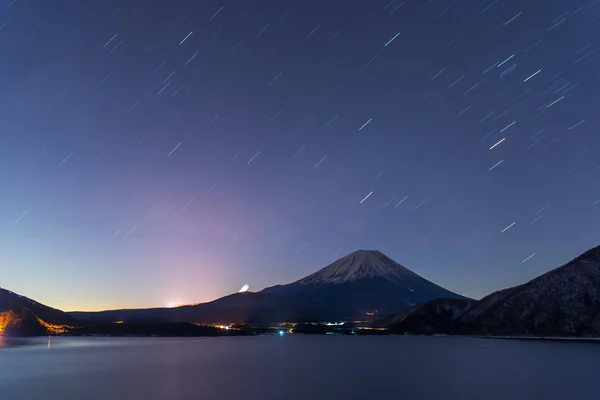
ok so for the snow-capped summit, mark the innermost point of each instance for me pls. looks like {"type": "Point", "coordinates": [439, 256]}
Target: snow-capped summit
{"type": "Point", "coordinates": [358, 265]}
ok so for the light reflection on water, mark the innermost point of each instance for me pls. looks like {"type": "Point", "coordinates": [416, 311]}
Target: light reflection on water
{"type": "Point", "coordinates": [298, 367]}
{"type": "Point", "coordinates": [67, 342]}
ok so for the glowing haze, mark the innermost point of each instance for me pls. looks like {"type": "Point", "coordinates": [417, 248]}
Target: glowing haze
{"type": "Point", "coordinates": [160, 153]}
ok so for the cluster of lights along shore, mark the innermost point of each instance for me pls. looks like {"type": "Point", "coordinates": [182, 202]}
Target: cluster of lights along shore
{"type": "Point", "coordinates": [9, 317]}
{"type": "Point", "coordinates": [6, 318]}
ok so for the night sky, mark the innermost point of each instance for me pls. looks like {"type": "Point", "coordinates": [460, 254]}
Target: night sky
{"type": "Point", "coordinates": [159, 153]}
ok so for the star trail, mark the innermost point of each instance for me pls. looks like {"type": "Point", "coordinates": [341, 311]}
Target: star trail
{"type": "Point", "coordinates": [158, 153]}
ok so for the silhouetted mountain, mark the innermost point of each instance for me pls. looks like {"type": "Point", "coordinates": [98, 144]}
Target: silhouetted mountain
{"type": "Point", "coordinates": [362, 282]}
{"type": "Point", "coordinates": [21, 316]}
{"type": "Point", "coordinates": [564, 302]}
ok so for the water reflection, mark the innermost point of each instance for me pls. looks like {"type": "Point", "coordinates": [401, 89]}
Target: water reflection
{"type": "Point", "coordinates": [302, 367]}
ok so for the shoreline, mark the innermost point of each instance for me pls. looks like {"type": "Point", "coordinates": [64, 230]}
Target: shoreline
{"type": "Point", "coordinates": [544, 338]}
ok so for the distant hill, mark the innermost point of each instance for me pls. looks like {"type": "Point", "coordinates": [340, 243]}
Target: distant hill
{"type": "Point", "coordinates": [564, 302]}
{"type": "Point", "coordinates": [439, 316]}
{"type": "Point", "coordinates": [363, 282]}
{"type": "Point", "coordinates": [21, 316]}
{"type": "Point", "coordinates": [244, 307]}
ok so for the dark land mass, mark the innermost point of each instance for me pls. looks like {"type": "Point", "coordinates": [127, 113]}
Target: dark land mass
{"type": "Point", "coordinates": [439, 316]}
{"type": "Point", "coordinates": [248, 307]}
{"type": "Point", "coordinates": [21, 316]}
{"type": "Point", "coordinates": [564, 302]}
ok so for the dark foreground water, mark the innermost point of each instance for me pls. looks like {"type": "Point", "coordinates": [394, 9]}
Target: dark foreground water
{"type": "Point", "coordinates": [300, 367]}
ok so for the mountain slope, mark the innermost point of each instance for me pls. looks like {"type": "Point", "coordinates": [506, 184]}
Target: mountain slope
{"type": "Point", "coordinates": [20, 316]}
{"type": "Point", "coordinates": [562, 302]}
{"type": "Point", "coordinates": [365, 281]}
{"type": "Point", "coordinates": [435, 316]}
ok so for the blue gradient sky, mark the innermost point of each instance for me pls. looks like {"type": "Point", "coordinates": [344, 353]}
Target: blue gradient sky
{"type": "Point", "coordinates": [149, 170]}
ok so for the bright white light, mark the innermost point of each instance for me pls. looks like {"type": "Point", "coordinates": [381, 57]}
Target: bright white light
{"type": "Point", "coordinates": [171, 304]}
{"type": "Point", "coordinates": [281, 333]}
{"type": "Point", "coordinates": [244, 288]}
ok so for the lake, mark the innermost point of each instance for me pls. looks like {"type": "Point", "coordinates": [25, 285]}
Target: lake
{"type": "Point", "coordinates": [299, 367]}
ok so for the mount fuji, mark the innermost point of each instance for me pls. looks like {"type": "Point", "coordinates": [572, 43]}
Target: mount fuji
{"type": "Point", "coordinates": [363, 282]}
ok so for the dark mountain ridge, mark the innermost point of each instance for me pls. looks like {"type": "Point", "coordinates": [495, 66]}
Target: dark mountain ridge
{"type": "Point", "coordinates": [564, 302]}
{"type": "Point", "coordinates": [246, 307]}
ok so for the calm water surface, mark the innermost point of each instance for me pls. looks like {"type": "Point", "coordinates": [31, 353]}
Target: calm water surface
{"type": "Point", "coordinates": [300, 367]}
